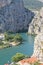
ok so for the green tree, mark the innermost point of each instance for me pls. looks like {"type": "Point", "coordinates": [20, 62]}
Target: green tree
{"type": "Point", "coordinates": [18, 57]}
{"type": "Point", "coordinates": [18, 38]}
{"type": "Point", "coordinates": [1, 43]}
{"type": "Point", "coordinates": [9, 37]}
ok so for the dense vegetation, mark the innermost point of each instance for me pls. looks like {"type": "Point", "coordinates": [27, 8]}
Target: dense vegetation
{"type": "Point", "coordinates": [1, 43]}
{"type": "Point", "coordinates": [18, 38]}
{"type": "Point", "coordinates": [8, 37]}
{"type": "Point", "coordinates": [11, 37]}
{"type": "Point", "coordinates": [18, 57]}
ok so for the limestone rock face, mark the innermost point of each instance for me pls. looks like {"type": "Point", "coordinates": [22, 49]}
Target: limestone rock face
{"type": "Point", "coordinates": [38, 47]}
{"type": "Point", "coordinates": [13, 16]}
{"type": "Point", "coordinates": [36, 25]}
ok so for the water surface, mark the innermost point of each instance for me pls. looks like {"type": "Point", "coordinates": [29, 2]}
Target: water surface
{"type": "Point", "coordinates": [26, 48]}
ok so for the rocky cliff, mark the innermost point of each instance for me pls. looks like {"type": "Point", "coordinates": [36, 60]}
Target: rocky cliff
{"type": "Point", "coordinates": [13, 16]}
{"type": "Point", "coordinates": [36, 25]}
{"type": "Point", "coordinates": [38, 47]}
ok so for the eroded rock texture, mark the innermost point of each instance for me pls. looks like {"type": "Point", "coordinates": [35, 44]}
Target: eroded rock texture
{"type": "Point", "coordinates": [13, 16]}
{"type": "Point", "coordinates": [38, 47]}
{"type": "Point", "coordinates": [36, 25]}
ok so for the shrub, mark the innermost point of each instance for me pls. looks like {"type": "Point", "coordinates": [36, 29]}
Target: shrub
{"type": "Point", "coordinates": [18, 38]}
{"type": "Point", "coordinates": [18, 57]}
{"type": "Point", "coordinates": [1, 43]}
{"type": "Point", "coordinates": [9, 37]}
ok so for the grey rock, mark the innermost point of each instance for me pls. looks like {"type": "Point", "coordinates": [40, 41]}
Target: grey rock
{"type": "Point", "coordinates": [38, 47]}
{"type": "Point", "coordinates": [13, 16]}
{"type": "Point", "coordinates": [36, 26]}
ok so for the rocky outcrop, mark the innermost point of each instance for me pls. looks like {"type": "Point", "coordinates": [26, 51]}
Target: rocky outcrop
{"type": "Point", "coordinates": [38, 47]}
{"type": "Point", "coordinates": [36, 25]}
{"type": "Point", "coordinates": [13, 16]}
{"type": "Point", "coordinates": [41, 0]}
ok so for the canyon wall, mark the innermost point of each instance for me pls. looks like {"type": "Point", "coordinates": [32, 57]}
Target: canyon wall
{"type": "Point", "coordinates": [13, 16]}
{"type": "Point", "coordinates": [36, 26]}
{"type": "Point", "coordinates": [38, 47]}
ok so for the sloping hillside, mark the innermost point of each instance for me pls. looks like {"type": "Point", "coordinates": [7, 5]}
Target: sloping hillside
{"type": "Point", "coordinates": [13, 16]}
{"type": "Point", "coordinates": [33, 4]}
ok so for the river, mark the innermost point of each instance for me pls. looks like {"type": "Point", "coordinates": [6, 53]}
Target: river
{"type": "Point", "coordinates": [26, 48]}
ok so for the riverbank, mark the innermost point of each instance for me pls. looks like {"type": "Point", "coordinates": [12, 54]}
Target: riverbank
{"type": "Point", "coordinates": [5, 46]}
{"type": "Point", "coordinates": [11, 44]}
{"type": "Point", "coordinates": [14, 43]}
{"type": "Point", "coordinates": [10, 40]}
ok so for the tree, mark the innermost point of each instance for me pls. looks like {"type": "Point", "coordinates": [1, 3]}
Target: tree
{"type": "Point", "coordinates": [9, 37]}
{"type": "Point", "coordinates": [12, 37]}
{"type": "Point", "coordinates": [18, 57]}
{"type": "Point", "coordinates": [18, 38]}
{"type": "Point", "coordinates": [1, 43]}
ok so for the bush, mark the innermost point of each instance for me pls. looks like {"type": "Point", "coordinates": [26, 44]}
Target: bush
{"type": "Point", "coordinates": [18, 38]}
{"type": "Point", "coordinates": [18, 57]}
{"type": "Point", "coordinates": [12, 37]}
{"type": "Point", "coordinates": [9, 37]}
{"type": "Point", "coordinates": [1, 43]}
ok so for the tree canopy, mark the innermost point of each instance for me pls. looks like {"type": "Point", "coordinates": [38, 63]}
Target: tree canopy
{"type": "Point", "coordinates": [18, 38]}
{"type": "Point", "coordinates": [18, 57]}
{"type": "Point", "coordinates": [1, 43]}
{"type": "Point", "coordinates": [11, 37]}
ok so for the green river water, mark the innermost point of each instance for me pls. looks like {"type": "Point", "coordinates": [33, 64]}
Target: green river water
{"type": "Point", "coordinates": [26, 48]}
